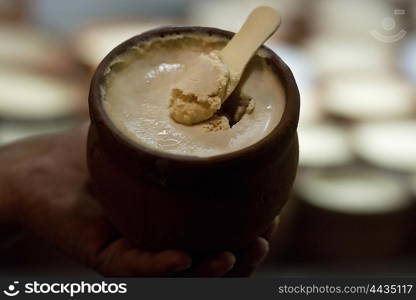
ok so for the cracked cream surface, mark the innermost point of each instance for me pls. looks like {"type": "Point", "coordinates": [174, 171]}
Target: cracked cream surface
{"type": "Point", "coordinates": [138, 88]}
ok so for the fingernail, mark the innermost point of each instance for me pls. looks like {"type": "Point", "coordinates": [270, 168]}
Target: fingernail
{"type": "Point", "coordinates": [225, 264]}
{"type": "Point", "coordinates": [181, 268]}
{"type": "Point", "coordinates": [184, 266]}
{"type": "Point", "coordinates": [265, 249]}
{"type": "Point", "coordinates": [232, 258]}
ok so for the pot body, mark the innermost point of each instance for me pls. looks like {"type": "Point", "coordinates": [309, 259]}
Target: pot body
{"type": "Point", "coordinates": [201, 205]}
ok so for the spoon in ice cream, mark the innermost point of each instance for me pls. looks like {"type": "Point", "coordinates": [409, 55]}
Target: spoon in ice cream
{"type": "Point", "coordinates": [214, 76]}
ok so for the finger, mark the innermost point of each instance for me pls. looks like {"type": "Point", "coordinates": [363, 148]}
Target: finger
{"type": "Point", "coordinates": [214, 266]}
{"type": "Point", "coordinates": [270, 231]}
{"type": "Point", "coordinates": [256, 253]}
{"type": "Point", "coordinates": [250, 258]}
{"type": "Point", "coordinates": [121, 259]}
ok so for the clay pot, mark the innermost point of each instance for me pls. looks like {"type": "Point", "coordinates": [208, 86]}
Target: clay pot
{"type": "Point", "coordinates": [160, 200]}
{"type": "Point", "coordinates": [411, 247]}
{"type": "Point", "coordinates": [355, 217]}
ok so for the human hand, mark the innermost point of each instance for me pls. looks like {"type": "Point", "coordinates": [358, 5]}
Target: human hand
{"type": "Point", "coordinates": [48, 184]}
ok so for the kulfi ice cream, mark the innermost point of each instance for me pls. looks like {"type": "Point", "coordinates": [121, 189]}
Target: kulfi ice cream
{"type": "Point", "coordinates": [199, 95]}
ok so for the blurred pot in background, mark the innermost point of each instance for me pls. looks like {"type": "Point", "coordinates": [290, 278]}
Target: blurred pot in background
{"type": "Point", "coordinates": [351, 216]}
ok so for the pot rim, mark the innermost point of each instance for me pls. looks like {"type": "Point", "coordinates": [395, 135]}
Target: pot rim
{"type": "Point", "coordinates": [283, 131]}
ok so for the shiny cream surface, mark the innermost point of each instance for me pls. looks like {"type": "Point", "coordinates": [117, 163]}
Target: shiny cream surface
{"type": "Point", "coordinates": [138, 85]}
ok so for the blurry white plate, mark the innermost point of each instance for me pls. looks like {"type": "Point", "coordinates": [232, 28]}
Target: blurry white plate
{"type": "Point", "coordinates": [369, 96]}
{"type": "Point", "coordinates": [323, 145]}
{"type": "Point", "coordinates": [354, 191]}
{"type": "Point", "coordinates": [391, 145]}
{"type": "Point", "coordinates": [32, 96]}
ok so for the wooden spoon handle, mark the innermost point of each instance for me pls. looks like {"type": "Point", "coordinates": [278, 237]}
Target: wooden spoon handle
{"type": "Point", "coordinates": [259, 26]}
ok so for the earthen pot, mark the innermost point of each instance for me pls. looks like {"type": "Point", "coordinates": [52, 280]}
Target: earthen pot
{"type": "Point", "coordinates": [160, 200]}
{"type": "Point", "coordinates": [346, 224]}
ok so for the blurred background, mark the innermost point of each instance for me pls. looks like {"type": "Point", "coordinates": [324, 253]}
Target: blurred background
{"type": "Point", "coordinates": [353, 210]}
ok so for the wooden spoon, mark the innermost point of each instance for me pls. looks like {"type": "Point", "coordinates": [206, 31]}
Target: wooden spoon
{"type": "Point", "coordinates": [259, 26]}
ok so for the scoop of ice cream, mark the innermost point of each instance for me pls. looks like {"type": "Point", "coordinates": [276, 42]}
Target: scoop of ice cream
{"type": "Point", "coordinates": [200, 94]}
